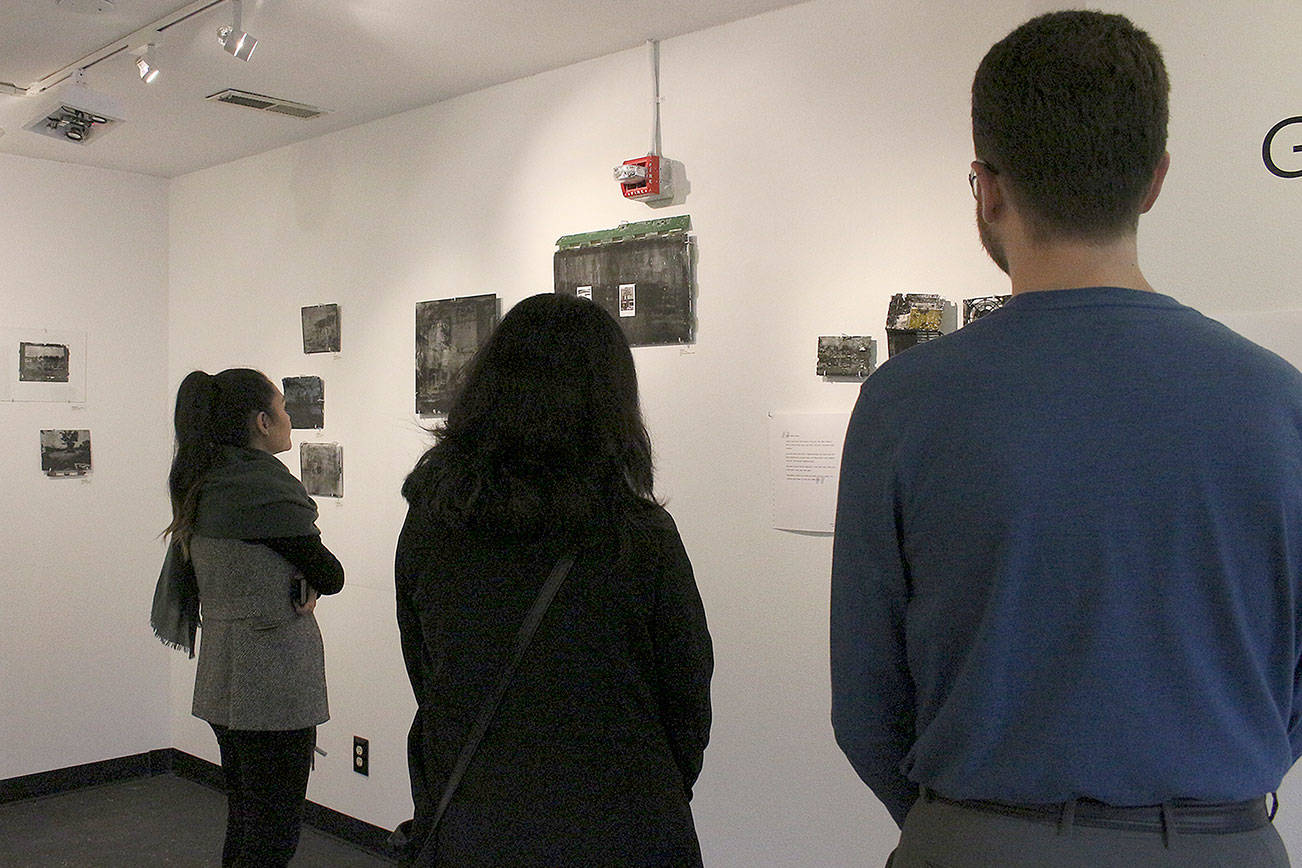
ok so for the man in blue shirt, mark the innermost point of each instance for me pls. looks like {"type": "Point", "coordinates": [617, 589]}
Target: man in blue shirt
{"type": "Point", "coordinates": [1065, 583]}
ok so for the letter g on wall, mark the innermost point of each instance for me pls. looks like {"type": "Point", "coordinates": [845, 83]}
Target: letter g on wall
{"type": "Point", "coordinates": [1266, 147]}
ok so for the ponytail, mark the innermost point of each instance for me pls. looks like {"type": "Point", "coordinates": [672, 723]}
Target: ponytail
{"type": "Point", "coordinates": [212, 411]}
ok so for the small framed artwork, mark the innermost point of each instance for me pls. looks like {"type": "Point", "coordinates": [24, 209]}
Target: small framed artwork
{"type": "Point", "coordinates": [305, 401]}
{"type": "Point", "coordinates": [449, 331]}
{"type": "Point", "coordinates": [975, 308]}
{"type": "Point", "coordinates": [321, 330]}
{"type": "Point", "coordinates": [43, 365]}
{"type": "Point", "coordinates": [846, 356]}
{"type": "Point", "coordinates": [65, 453]}
{"type": "Point", "coordinates": [321, 466]}
{"type": "Point", "coordinates": [913, 318]}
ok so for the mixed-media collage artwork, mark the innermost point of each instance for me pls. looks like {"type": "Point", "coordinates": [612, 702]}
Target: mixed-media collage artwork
{"type": "Point", "coordinates": [975, 308]}
{"type": "Point", "coordinates": [642, 274]}
{"type": "Point", "coordinates": [846, 356]}
{"type": "Point", "coordinates": [448, 333]}
{"type": "Point", "coordinates": [911, 319]}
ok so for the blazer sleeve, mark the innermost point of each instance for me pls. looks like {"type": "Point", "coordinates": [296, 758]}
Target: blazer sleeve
{"type": "Point", "coordinates": [684, 658]}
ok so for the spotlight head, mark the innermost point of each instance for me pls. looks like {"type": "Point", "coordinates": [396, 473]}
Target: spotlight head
{"type": "Point", "coordinates": [232, 36]}
{"type": "Point", "coordinates": [148, 72]}
{"type": "Point", "coordinates": [237, 43]}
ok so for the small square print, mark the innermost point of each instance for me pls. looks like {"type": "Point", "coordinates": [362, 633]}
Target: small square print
{"type": "Point", "coordinates": [321, 332]}
{"type": "Point", "coordinates": [65, 453]}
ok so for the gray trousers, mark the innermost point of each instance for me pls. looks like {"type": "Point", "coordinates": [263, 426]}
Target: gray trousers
{"type": "Point", "coordinates": [940, 835]}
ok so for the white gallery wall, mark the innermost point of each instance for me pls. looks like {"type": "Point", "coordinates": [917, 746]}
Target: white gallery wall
{"type": "Point", "coordinates": [826, 148]}
{"type": "Point", "coordinates": [81, 676]}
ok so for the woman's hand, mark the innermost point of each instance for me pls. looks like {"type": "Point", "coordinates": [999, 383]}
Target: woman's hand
{"type": "Point", "coordinates": [306, 608]}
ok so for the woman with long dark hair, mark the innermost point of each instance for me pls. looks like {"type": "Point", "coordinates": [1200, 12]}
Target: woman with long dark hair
{"type": "Point", "coordinates": [590, 754]}
{"type": "Point", "coordinates": [245, 550]}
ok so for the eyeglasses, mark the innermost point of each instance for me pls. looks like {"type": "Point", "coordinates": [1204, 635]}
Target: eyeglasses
{"type": "Point", "coordinates": [972, 176]}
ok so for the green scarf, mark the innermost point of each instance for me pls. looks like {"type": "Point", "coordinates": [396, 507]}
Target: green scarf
{"type": "Point", "coordinates": [249, 494]}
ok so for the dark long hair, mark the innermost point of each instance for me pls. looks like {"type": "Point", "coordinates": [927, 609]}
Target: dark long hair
{"type": "Point", "coordinates": [212, 411]}
{"type": "Point", "coordinates": [545, 433]}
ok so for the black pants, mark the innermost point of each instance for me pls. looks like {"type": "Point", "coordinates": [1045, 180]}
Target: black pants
{"type": "Point", "coordinates": [266, 782]}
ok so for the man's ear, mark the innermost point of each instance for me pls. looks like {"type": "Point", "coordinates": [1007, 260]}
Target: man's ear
{"type": "Point", "coordinates": [1155, 187]}
{"type": "Point", "coordinates": [991, 199]}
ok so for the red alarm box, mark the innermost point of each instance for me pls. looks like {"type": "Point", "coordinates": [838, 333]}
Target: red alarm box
{"type": "Point", "coordinates": [644, 178]}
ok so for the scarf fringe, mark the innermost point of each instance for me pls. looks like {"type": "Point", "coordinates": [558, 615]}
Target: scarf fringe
{"type": "Point", "coordinates": [177, 646]}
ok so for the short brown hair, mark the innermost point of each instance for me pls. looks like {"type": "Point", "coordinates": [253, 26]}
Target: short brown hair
{"type": "Point", "coordinates": [1071, 108]}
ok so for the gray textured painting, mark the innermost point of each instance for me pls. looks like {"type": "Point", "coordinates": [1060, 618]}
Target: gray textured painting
{"type": "Point", "coordinates": [449, 332]}
{"type": "Point", "coordinates": [321, 466]}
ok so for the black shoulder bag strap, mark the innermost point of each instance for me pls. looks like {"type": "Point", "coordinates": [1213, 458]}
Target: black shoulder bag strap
{"type": "Point", "coordinates": [522, 640]}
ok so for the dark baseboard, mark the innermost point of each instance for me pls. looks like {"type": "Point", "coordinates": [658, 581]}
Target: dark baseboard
{"type": "Point", "coordinates": [192, 768]}
{"type": "Point", "coordinates": [88, 775]}
{"type": "Point", "coordinates": [359, 833]}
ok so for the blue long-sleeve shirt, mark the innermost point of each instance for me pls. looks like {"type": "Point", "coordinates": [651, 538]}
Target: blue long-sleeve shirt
{"type": "Point", "coordinates": [1067, 555]}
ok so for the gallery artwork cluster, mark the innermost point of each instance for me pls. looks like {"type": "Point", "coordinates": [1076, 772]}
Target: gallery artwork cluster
{"type": "Point", "coordinates": [642, 274]}
{"type": "Point", "coordinates": [48, 366]}
{"type": "Point", "coordinates": [911, 318]}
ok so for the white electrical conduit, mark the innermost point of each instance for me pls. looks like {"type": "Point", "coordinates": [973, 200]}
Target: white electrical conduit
{"type": "Point", "coordinates": [655, 95]}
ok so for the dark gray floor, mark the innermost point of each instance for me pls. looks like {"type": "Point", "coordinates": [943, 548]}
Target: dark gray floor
{"type": "Point", "coordinates": [162, 820]}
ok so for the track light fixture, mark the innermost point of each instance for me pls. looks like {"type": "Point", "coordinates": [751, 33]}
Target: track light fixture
{"type": "Point", "coordinates": [234, 39]}
{"type": "Point", "coordinates": [146, 65]}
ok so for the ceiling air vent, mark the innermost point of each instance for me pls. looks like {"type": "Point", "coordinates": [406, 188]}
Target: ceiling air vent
{"type": "Point", "coordinates": [267, 103]}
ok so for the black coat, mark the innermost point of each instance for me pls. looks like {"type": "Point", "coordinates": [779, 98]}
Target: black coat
{"type": "Point", "coordinates": [595, 747]}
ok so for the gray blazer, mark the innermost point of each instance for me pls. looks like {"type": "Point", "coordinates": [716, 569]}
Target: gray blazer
{"type": "Point", "coordinates": [261, 664]}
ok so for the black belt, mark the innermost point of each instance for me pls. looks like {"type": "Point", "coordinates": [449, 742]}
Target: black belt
{"type": "Point", "coordinates": [1187, 816]}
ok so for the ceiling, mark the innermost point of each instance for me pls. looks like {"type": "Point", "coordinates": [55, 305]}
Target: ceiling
{"type": "Point", "coordinates": [357, 59]}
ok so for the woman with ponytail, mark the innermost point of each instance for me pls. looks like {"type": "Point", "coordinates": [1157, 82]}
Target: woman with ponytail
{"type": "Point", "coordinates": [245, 551]}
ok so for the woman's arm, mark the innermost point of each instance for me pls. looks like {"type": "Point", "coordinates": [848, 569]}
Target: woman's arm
{"type": "Point", "coordinates": [684, 659]}
{"type": "Point", "coordinates": [417, 660]}
{"type": "Point", "coordinates": [310, 557]}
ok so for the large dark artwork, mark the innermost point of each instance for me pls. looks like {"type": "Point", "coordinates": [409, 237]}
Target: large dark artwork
{"type": "Point", "coordinates": [305, 401]}
{"type": "Point", "coordinates": [448, 333]}
{"type": "Point", "coordinates": [645, 283]}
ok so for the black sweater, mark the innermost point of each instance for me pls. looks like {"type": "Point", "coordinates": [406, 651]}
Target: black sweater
{"type": "Point", "coordinates": [595, 747]}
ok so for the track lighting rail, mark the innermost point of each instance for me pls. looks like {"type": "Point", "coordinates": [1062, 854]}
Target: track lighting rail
{"type": "Point", "coordinates": [143, 36]}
